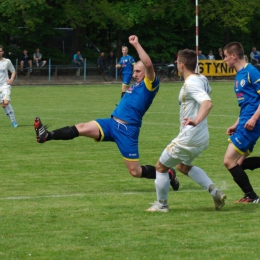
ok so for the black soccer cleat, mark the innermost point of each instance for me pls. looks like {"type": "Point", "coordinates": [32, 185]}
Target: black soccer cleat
{"type": "Point", "coordinates": [173, 179]}
{"type": "Point", "coordinates": [41, 130]}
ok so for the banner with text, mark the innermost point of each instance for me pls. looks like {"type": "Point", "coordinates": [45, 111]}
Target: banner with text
{"type": "Point", "coordinates": [215, 68]}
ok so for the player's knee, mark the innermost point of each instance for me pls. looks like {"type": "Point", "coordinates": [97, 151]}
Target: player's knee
{"type": "Point", "coordinates": [184, 169]}
{"type": "Point", "coordinates": [227, 163]}
{"type": "Point", "coordinates": [134, 173]}
{"type": "Point", "coordinates": [160, 167]}
{"type": "Point", "coordinates": [5, 103]}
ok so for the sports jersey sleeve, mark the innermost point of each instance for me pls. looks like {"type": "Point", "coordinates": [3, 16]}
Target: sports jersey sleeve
{"type": "Point", "coordinates": [151, 85]}
{"type": "Point", "coordinates": [132, 61]}
{"type": "Point", "coordinates": [254, 79]}
{"type": "Point", "coordinates": [10, 66]}
{"type": "Point", "coordinates": [197, 92]}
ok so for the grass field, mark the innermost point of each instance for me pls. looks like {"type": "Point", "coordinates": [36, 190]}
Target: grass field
{"type": "Point", "coordinates": [76, 200]}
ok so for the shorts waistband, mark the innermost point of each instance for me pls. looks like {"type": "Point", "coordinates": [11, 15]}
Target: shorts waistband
{"type": "Point", "coordinates": [119, 120]}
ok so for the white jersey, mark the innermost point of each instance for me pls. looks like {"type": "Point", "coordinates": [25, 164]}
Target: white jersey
{"type": "Point", "coordinates": [5, 65]}
{"type": "Point", "coordinates": [195, 90]}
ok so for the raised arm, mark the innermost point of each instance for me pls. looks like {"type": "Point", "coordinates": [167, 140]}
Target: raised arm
{"type": "Point", "coordinates": [149, 70]}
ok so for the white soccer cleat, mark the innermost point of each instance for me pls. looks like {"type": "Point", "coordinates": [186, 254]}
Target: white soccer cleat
{"type": "Point", "coordinates": [158, 207]}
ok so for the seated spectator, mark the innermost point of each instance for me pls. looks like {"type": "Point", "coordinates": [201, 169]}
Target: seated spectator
{"type": "Point", "coordinates": [255, 55]}
{"type": "Point", "coordinates": [220, 54]}
{"type": "Point", "coordinates": [101, 62]}
{"type": "Point", "coordinates": [210, 56]}
{"type": "Point", "coordinates": [37, 59]}
{"type": "Point", "coordinates": [78, 60]}
{"type": "Point", "coordinates": [246, 58]}
{"type": "Point", "coordinates": [201, 56]}
{"type": "Point", "coordinates": [25, 60]}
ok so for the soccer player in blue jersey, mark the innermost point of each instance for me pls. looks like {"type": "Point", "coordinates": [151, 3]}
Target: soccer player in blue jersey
{"type": "Point", "coordinates": [126, 64]}
{"type": "Point", "coordinates": [246, 130]}
{"type": "Point", "coordinates": [123, 126]}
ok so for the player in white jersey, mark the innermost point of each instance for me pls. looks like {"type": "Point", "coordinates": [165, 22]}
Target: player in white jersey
{"type": "Point", "coordinates": [193, 138]}
{"type": "Point", "coordinates": [5, 86]}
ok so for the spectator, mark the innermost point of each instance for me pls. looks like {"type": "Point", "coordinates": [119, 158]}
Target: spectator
{"type": "Point", "coordinates": [255, 55]}
{"type": "Point", "coordinates": [211, 56]}
{"type": "Point", "coordinates": [37, 58]}
{"type": "Point", "coordinates": [201, 56]}
{"type": "Point", "coordinates": [111, 62]}
{"type": "Point", "coordinates": [78, 60]}
{"type": "Point", "coordinates": [25, 60]}
{"type": "Point", "coordinates": [220, 54]}
{"type": "Point", "coordinates": [111, 59]}
{"type": "Point", "coordinates": [101, 62]}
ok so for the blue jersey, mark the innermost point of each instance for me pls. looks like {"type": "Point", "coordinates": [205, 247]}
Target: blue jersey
{"type": "Point", "coordinates": [247, 89]}
{"type": "Point", "coordinates": [127, 63]}
{"type": "Point", "coordinates": [136, 101]}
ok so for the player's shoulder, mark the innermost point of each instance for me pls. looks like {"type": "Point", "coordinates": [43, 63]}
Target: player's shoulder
{"type": "Point", "coordinates": [196, 79]}
{"type": "Point", "coordinates": [6, 60]}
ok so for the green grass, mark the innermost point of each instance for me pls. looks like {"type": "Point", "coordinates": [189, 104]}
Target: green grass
{"type": "Point", "coordinates": [76, 200]}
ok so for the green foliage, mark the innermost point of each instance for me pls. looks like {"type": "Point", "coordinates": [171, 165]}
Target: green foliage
{"type": "Point", "coordinates": [165, 26]}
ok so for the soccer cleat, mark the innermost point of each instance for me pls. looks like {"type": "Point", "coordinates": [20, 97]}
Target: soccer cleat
{"type": "Point", "coordinates": [219, 199]}
{"type": "Point", "coordinates": [158, 207]}
{"type": "Point", "coordinates": [247, 199]}
{"type": "Point", "coordinates": [14, 124]}
{"type": "Point", "coordinates": [173, 179]}
{"type": "Point", "coordinates": [41, 130]}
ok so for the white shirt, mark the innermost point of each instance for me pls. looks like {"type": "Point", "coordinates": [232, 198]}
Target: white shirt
{"type": "Point", "coordinates": [195, 90]}
{"type": "Point", "coordinates": [5, 65]}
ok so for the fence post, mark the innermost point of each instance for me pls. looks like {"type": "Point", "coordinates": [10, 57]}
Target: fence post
{"type": "Point", "coordinates": [116, 70]}
{"type": "Point", "coordinates": [16, 68]}
{"type": "Point", "coordinates": [49, 70]}
{"type": "Point", "coordinates": [85, 68]}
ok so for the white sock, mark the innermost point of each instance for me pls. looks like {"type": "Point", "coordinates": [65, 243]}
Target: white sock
{"type": "Point", "coordinates": [162, 185]}
{"type": "Point", "coordinates": [10, 112]}
{"type": "Point", "coordinates": [200, 177]}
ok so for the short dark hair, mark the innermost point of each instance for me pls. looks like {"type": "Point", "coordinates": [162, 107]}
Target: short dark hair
{"type": "Point", "coordinates": [235, 47]}
{"type": "Point", "coordinates": [188, 58]}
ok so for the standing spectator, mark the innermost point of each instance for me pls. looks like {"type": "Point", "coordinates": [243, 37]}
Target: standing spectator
{"type": "Point", "coordinates": [220, 54]}
{"type": "Point", "coordinates": [255, 55]}
{"type": "Point", "coordinates": [78, 60]}
{"type": "Point", "coordinates": [111, 62]}
{"type": "Point", "coordinates": [101, 62]}
{"type": "Point", "coordinates": [211, 56]}
{"type": "Point", "coordinates": [246, 130]}
{"type": "Point", "coordinates": [37, 58]}
{"type": "Point", "coordinates": [126, 63]}
{"type": "Point", "coordinates": [25, 60]}
{"type": "Point", "coordinates": [5, 86]}
{"type": "Point", "coordinates": [201, 56]}
{"type": "Point", "coordinates": [193, 138]}
{"type": "Point", "coordinates": [111, 59]}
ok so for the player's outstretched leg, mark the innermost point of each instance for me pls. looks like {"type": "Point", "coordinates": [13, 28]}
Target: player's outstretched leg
{"type": "Point", "coordinates": [173, 179]}
{"type": "Point", "coordinates": [41, 130]}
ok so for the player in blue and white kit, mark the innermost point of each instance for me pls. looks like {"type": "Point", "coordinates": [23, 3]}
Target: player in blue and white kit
{"type": "Point", "coordinates": [126, 63]}
{"type": "Point", "coordinates": [5, 86]}
{"type": "Point", "coordinates": [124, 124]}
{"type": "Point", "coordinates": [246, 130]}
